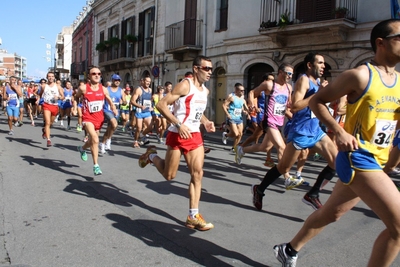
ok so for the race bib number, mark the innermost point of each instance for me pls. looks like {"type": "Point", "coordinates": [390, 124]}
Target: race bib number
{"type": "Point", "coordinates": [237, 112]}
{"type": "Point", "coordinates": [95, 106]}
{"type": "Point", "coordinates": [279, 109]}
{"type": "Point", "coordinates": [68, 99]}
{"type": "Point", "coordinates": [147, 103]}
{"type": "Point", "coordinates": [383, 135]}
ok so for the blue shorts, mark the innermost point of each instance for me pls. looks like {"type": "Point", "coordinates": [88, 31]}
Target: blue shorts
{"type": "Point", "coordinates": [348, 162]}
{"type": "Point", "coordinates": [143, 115]}
{"type": "Point", "coordinates": [124, 111]}
{"type": "Point", "coordinates": [108, 115]}
{"type": "Point", "coordinates": [303, 141]}
{"type": "Point", "coordinates": [235, 121]}
{"type": "Point", "coordinates": [41, 101]}
{"type": "Point", "coordinates": [13, 111]}
{"type": "Point", "coordinates": [66, 105]}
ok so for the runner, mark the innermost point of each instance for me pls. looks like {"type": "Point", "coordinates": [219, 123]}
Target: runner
{"type": "Point", "coordinates": [51, 93]}
{"type": "Point", "coordinates": [93, 94]}
{"type": "Point", "coordinates": [13, 93]}
{"type": "Point", "coordinates": [66, 105]}
{"type": "Point", "coordinates": [190, 98]}
{"type": "Point", "coordinates": [117, 96]}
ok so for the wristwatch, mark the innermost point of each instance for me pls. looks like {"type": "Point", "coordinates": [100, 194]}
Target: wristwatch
{"type": "Point", "coordinates": [178, 125]}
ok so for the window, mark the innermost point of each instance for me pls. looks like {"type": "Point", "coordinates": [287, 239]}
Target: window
{"type": "Point", "coordinates": [127, 27]}
{"type": "Point", "coordinates": [222, 15]}
{"type": "Point", "coordinates": [314, 10]}
{"type": "Point", "coordinates": [146, 30]}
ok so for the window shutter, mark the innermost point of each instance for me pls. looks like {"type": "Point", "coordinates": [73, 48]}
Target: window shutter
{"type": "Point", "coordinates": [141, 35]}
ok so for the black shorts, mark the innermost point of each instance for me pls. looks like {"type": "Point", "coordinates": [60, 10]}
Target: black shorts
{"type": "Point", "coordinates": [32, 101]}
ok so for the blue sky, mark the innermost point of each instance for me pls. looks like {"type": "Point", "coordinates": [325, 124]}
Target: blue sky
{"type": "Point", "coordinates": [23, 22]}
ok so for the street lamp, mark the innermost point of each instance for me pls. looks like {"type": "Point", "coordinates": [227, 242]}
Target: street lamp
{"type": "Point", "coordinates": [51, 49]}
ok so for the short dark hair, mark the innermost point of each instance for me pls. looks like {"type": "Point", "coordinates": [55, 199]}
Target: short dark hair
{"type": "Point", "coordinates": [167, 83]}
{"type": "Point", "coordinates": [266, 75]}
{"type": "Point", "coordinates": [237, 85]}
{"type": "Point", "coordinates": [310, 57]}
{"type": "Point", "coordinates": [381, 30]}
{"type": "Point", "coordinates": [188, 74]}
{"type": "Point", "coordinates": [198, 59]}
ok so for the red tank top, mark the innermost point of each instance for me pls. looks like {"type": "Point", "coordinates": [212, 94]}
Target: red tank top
{"type": "Point", "coordinates": [92, 105]}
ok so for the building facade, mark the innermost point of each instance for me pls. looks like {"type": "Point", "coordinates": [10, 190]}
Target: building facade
{"type": "Point", "coordinates": [244, 39]}
{"type": "Point", "coordinates": [12, 65]}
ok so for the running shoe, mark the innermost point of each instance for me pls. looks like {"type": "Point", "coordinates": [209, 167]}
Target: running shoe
{"type": "Point", "coordinates": [394, 172]}
{"type": "Point", "coordinates": [123, 129]}
{"type": "Point", "coordinates": [224, 138]}
{"type": "Point", "coordinates": [312, 201]}
{"type": "Point", "coordinates": [292, 182]}
{"type": "Point", "coordinates": [11, 132]}
{"type": "Point", "coordinates": [108, 144]}
{"type": "Point", "coordinates": [68, 128]}
{"type": "Point", "coordinates": [304, 181]}
{"type": "Point", "coordinates": [239, 154]}
{"type": "Point", "coordinates": [96, 170]}
{"type": "Point", "coordinates": [144, 159]}
{"type": "Point", "coordinates": [43, 133]}
{"type": "Point", "coordinates": [144, 141]}
{"type": "Point", "coordinates": [269, 162]}
{"type": "Point", "coordinates": [78, 128]}
{"type": "Point", "coordinates": [257, 197]}
{"type": "Point", "coordinates": [48, 143]}
{"type": "Point", "coordinates": [317, 157]}
{"type": "Point", "coordinates": [198, 223]}
{"type": "Point", "coordinates": [20, 123]}
{"type": "Point", "coordinates": [62, 123]}
{"type": "Point", "coordinates": [83, 153]}
{"type": "Point", "coordinates": [282, 257]}
{"type": "Point", "coordinates": [16, 124]}
{"type": "Point", "coordinates": [33, 123]}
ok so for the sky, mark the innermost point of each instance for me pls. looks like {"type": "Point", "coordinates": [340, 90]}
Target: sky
{"type": "Point", "coordinates": [24, 22]}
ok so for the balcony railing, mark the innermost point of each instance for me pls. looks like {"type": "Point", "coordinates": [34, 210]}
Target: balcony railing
{"type": "Point", "coordinates": [298, 12]}
{"type": "Point", "coordinates": [186, 33]}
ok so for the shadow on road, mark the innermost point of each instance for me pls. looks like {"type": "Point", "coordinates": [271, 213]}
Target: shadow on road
{"type": "Point", "coordinates": [55, 165]}
{"type": "Point", "coordinates": [178, 240]}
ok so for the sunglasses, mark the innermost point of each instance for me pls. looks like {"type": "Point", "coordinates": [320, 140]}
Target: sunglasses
{"type": "Point", "coordinates": [289, 73]}
{"type": "Point", "coordinates": [394, 35]}
{"type": "Point", "coordinates": [95, 73]}
{"type": "Point", "coordinates": [205, 68]}
{"type": "Point", "coordinates": [115, 80]}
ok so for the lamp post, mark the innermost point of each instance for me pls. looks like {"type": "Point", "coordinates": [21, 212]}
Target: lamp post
{"type": "Point", "coordinates": [51, 49]}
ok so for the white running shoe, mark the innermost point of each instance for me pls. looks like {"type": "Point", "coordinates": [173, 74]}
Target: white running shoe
{"type": "Point", "coordinates": [108, 144]}
{"type": "Point", "coordinates": [239, 154]}
{"type": "Point", "coordinates": [224, 138]}
{"type": "Point", "coordinates": [282, 257]}
{"type": "Point", "coordinates": [102, 149]}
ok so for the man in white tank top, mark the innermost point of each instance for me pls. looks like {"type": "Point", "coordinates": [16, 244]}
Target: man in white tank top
{"type": "Point", "coordinates": [51, 93]}
{"type": "Point", "coordinates": [190, 99]}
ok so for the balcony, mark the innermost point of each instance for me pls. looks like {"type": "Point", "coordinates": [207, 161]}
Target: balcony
{"type": "Point", "coordinates": [184, 37]}
{"type": "Point", "coordinates": [60, 63]}
{"type": "Point", "coordinates": [114, 58]}
{"type": "Point", "coordinates": [302, 20]}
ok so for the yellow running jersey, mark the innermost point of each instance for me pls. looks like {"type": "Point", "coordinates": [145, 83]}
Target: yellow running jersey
{"type": "Point", "coordinates": [372, 118]}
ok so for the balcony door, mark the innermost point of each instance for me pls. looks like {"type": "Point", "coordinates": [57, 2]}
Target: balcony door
{"type": "Point", "coordinates": [315, 10]}
{"type": "Point", "coordinates": [190, 22]}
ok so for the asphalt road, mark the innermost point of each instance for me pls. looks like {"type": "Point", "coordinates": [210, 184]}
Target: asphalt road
{"type": "Point", "coordinates": [54, 212]}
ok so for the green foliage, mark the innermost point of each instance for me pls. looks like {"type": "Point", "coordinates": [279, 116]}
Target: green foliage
{"type": "Point", "coordinates": [131, 38]}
